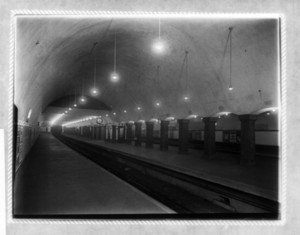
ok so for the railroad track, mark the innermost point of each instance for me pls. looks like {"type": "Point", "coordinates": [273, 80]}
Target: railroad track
{"type": "Point", "coordinates": [189, 196]}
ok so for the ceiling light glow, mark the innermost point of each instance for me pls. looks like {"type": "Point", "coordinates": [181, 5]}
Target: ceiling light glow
{"type": "Point", "coordinates": [94, 91]}
{"type": "Point", "coordinates": [82, 100]}
{"type": "Point", "coordinates": [159, 47]}
{"type": "Point", "coordinates": [29, 113]}
{"type": "Point", "coordinates": [186, 98]}
{"type": "Point", "coordinates": [114, 77]}
{"type": "Point", "coordinates": [55, 119]}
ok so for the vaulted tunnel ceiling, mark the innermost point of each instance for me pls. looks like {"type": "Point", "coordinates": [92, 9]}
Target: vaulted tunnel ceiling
{"type": "Point", "coordinates": [55, 59]}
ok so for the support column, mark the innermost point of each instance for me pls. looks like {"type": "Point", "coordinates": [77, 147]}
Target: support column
{"type": "Point", "coordinates": [149, 134]}
{"type": "Point", "coordinates": [128, 133]}
{"type": "Point", "coordinates": [106, 133]}
{"type": "Point", "coordinates": [121, 130]}
{"type": "Point", "coordinates": [247, 139]}
{"type": "Point", "coordinates": [90, 132]}
{"type": "Point", "coordinates": [109, 133]}
{"type": "Point", "coordinates": [164, 135]}
{"type": "Point", "coordinates": [99, 132]}
{"type": "Point", "coordinates": [95, 132]}
{"type": "Point", "coordinates": [84, 131]}
{"type": "Point", "coordinates": [138, 133]}
{"type": "Point", "coordinates": [114, 133]}
{"type": "Point", "coordinates": [96, 136]}
{"type": "Point", "coordinates": [209, 136]}
{"type": "Point", "coordinates": [94, 129]}
{"type": "Point", "coordinates": [102, 132]}
{"type": "Point", "coordinates": [183, 135]}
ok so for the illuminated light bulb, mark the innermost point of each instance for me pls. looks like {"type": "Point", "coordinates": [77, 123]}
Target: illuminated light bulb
{"type": "Point", "coordinates": [230, 88]}
{"type": "Point", "coordinates": [125, 111]}
{"type": "Point", "coordinates": [114, 77]}
{"type": "Point", "coordinates": [82, 99]}
{"type": "Point", "coordinates": [106, 115]}
{"type": "Point", "coordinates": [138, 108]}
{"type": "Point", "coordinates": [268, 113]}
{"type": "Point", "coordinates": [158, 47]}
{"type": "Point", "coordinates": [157, 103]}
{"type": "Point", "coordinates": [94, 91]}
{"type": "Point", "coordinates": [114, 114]}
{"type": "Point", "coordinates": [66, 111]}
{"type": "Point", "coordinates": [70, 109]}
{"type": "Point", "coordinates": [75, 105]}
{"type": "Point", "coordinates": [186, 98]}
{"type": "Point", "coordinates": [273, 110]}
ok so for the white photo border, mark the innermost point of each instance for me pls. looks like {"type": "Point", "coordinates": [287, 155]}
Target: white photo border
{"type": "Point", "coordinates": [282, 91]}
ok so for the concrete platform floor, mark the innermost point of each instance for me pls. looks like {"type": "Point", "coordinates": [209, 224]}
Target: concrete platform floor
{"type": "Point", "coordinates": [54, 179]}
{"type": "Point", "coordinates": [261, 179]}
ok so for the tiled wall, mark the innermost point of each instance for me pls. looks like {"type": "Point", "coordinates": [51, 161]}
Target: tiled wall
{"type": "Point", "coordinates": [26, 137]}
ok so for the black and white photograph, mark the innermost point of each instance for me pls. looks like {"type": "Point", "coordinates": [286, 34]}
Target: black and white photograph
{"type": "Point", "coordinates": [147, 117]}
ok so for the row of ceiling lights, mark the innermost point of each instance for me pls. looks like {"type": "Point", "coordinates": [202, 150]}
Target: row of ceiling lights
{"type": "Point", "coordinates": [158, 48]}
{"type": "Point", "coordinates": [107, 115]}
{"type": "Point", "coordinates": [225, 114]}
{"type": "Point", "coordinates": [143, 121]}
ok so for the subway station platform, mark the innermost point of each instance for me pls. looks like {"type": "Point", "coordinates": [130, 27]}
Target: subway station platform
{"type": "Point", "coordinates": [56, 180]}
{"type": "Point", "coordinates": [260, 179]}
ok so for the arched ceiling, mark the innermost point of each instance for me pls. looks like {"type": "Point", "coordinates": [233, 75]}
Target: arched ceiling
{"type": "Point", "coordinates": [55, 59]}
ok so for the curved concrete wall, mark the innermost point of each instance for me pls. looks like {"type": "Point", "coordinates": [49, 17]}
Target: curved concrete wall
{"type": "Point", "coordinates": [53, 57]}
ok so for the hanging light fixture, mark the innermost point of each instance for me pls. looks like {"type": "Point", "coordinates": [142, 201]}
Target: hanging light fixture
{"type": "Point", "coordinates": [75, 104]}
{"type": "Point", "coordinates": [230, 88]}
{"type": "Point", "coordinates": [94, 90]}
{"type": "Point", "coordinates": [157, 102]}
{"type": "Point", "coordinates": [158, 45]}
{"type": "Point", "coordinates": [115, 76]}
{"type": "Point", "coordinates": [82, 98]}
{"type": "Point", "coordinates": [186, 97]}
